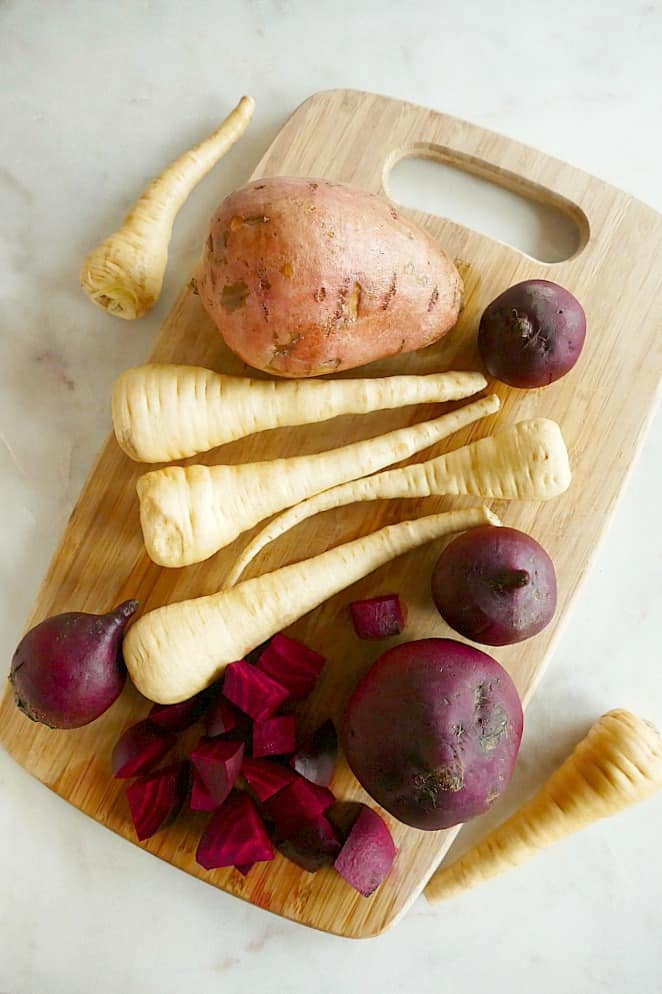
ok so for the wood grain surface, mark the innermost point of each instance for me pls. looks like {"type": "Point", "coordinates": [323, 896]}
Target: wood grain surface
{"type": "Point", "coordinates": [603, 407]}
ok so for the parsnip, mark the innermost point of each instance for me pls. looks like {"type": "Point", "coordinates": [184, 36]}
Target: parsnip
{"type": "Point", "coordinates": [188, 514]}
{"type": "Point", "coordinates": [526, 462]}
{"type": "Point", "coordinates": [123, 275]}
{"type": "Point", "coordinates": [162, 412]}
{"type": "Point", "coordinates": [617, 764]}
{"type": "Point", "coordinates": [177, 650]}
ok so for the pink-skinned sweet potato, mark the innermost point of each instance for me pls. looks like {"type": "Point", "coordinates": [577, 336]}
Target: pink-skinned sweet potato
{"type": "Point", "coordinates": [304, 277]}
{"type": "Point", "coordinates": [432, 732]}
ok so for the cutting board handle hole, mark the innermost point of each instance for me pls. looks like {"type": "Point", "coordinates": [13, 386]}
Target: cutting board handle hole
{"type": "Point", "coordinates": [478, 195]}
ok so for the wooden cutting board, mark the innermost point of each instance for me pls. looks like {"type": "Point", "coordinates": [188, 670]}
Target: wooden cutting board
{"type": "Point", "coordinates": [603, 406]}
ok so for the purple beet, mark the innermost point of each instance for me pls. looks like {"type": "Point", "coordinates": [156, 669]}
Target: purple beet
{"type": "Point", "coordinates": [154, 800]}
{"type": "Point", "coordinates": [220, 716]}
{"type": "Point", "coordinates": [378, 617]}
{"type": "Point", "coordinates": [217, 763]}
{"type": "Point", "coordinates": [235, 835]}
{"type": "Point", "coordinates": [244, 868]}
{"type": "Point", "coordinates": [315, 759]}
{"type": "Point", "coordinates": [177, 717]}
{"type": "Point", "coordinates": [68, 669]}
{"type": "Point", "coordinates": [252, 691]}
{"type": "Point", "coordinates": [274, 736]}
{"type": "Point", "coordinates": [297, 804]}
{"type": "Point", "coordinates": [292, 664]}
{"type": "Point", "coordinates": [140, 748]}
{"type": "Point", "coordinates": [201, 799]}
{"type": "Point", "coordinates": [368, 853]}
{"type": "Point", "coordinates": [313, 845]}
{"type": "Point", "coordinates": [265, 778]}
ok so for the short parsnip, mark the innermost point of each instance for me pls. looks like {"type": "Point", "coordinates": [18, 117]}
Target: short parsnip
{"type": "Point", "coordinates": [617, 764]}
{"type": "Point", "coordinates": [175, 651]}
{"type": "Point", "coordinates": [526, 462]}
{"type": "Point", "coordinates": [166, 412]}
{"type": "Point", "coordinates": [189, 513]}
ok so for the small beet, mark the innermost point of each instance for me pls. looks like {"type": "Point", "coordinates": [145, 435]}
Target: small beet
{"type": "Point", "coordinates": [378, 617]}
{"type": "Point", "coordinates": [253, 691]}
{"type": "Point", "coordinates": [315, 759]}
{"type": "Point", "coordinates": [236, 835]}
{"type": "Point", "coordinates": [274, 736]}
{"type": "Point", "coordinates": [265, 778]}
{"type": "Point", "coordinates": [220, 716]}
{"type": "Point", "coordinates": [154, 800]}
{"type": "Point", "coordinates": [368, 853]}
{"type": "Point", "coordinates": [297, 804]}
{"type": "Point", "coordinates": [292, 664]}
{"type": "Point", "coordinates": [68, 669]}
{"type": "Point", "coordinates": [244, 868]}
{"type": "Point", "coordinates": [314, 844]}
{"type": "Point", "coordinates": [140, 748]}
{"type": "Point", "coordinates": [217, 763]}
{"type": "Point", "coordinates": [177, 717]}
{"type": "Point", "coordinates": [201, 799]}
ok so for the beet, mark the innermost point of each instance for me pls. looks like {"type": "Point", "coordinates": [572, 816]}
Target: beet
{"type": "Point", "coordinates": [432, 732]}
{"type": "Point", "coordinates": [315, 759]}
{"type": "Point", "coordinates": [313, 845]}
{"type": "Point", "coordinates": [274, 736]}
{"type": "Point", "coordinates": [495, 585]}
{"type": "Point", "coordinates": [298, 803]}
{"type": "Point", "coordinates": [253, 691]}
{"type": "Point", "coordinates": [244, 868]}
{"type": "Point", "coordinates": [217, 763]}
{"type": "Point", "coordinates": [235, 835]}
{"type": "Point", "coordinates": [220, 716]}
{"type": "Point", "coordinates": [201, 799]}
{"type": "Point", "coordinates": [177, 717]}
{"type": "Point", "coordinates": [368, 853]}
{"type": "Point", "coordinates": [155, 800]}
{"type": "Point", "coordinates": [68, 670]}
{"type": "Point", "coordinates": [292, 664]}
{"type": "Point", "coordinates": [378, 617]}
{"type": "Point", "coordinates": [265, 778]}
{"type": "Point", "coordinates": [140, 748]}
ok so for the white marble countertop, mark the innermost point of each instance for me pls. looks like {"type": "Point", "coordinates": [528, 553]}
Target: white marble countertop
{"type": "Point", "coordinates": [94, 99]}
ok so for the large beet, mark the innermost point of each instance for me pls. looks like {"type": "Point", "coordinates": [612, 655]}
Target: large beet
{"type": "Point", "coordinates": [432, 732]}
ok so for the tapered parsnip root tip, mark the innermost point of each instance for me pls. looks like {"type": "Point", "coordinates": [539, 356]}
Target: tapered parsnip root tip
{"type": "Point", "coordinates": [617, 764]}
{"type": "Point", "coordinates": [124, 274]}
{"type": "Point", "coordinates": [175, 651]}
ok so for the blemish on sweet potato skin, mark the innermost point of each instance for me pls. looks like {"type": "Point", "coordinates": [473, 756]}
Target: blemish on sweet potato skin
{"type": "Point", "coordinates": [233, 296]}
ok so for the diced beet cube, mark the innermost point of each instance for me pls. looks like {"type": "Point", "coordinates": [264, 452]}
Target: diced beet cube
{"type": "Point", "coordinates": [315, 759]}
{"type": "Point", "coordinates": [265, 778]}
{"type": "Point", "coordinates": [313, 845]}
{"type": "Point", "coordinates": [294, 665]}
{"type": "Point", "coordinates": [155, 799]}
{"type": "Point", "coordinates": [298, 803]}
{"type": "Point", "coordinates": [253, 691]}
{"type": "Point", "coordinates": [235, 835]}
{"type": "Point", "coordinates": [201, 799]}
{"type": "Point", "coordinates": [217, 763]}
{"type": "Point", "coordinates": [368, 853]}
{"type": "Point", "coordinates": [220, 716]}
{"type": "Point", "coordinates": [274, 736]}
{"type": "Point", "coordinates": [378, 617]}
{"type": "Point", "coordinates": [244, 868]}
{"type": "Point", "coordinates": [140, 748]}
{"type": "Point", "coordinates": [177, 717]}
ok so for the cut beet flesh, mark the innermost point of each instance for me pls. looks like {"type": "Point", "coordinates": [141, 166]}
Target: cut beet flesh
{"type": "Point", "coordinates": [313, 845]}
{"type": "Point", "coordinates": [368, 853]}
{"type": "Point", "coordinates": [297, 804]}
{"type": "Point", "coordinates": [140, 748]}
{"type": "Point", "coordinates": [155, 799]}
{"type": "Point", "coordinates": [265, 778]}
{"type": "Point", "coordinates": [315, 759]}
{"type": "Point", "coordinates": [177, 717]}
{"type": "Point", "coordinates": [378, 617]}
{"type": "Point", "coordinates": [244, 868]}
{"type": "Point", "coordinates": [274, 736]}
{"type": "Point", "coordinates": [217, 763]}
{"type": "Point", "coordinates": [201, 799]}
{"type": "Point", "coordinates": [253, 691]}
{"type": "Point", "coordinates": [235, 835]}
{"type": "Point", "coordinates": [220, 716]}
{"type": "Point", "coordinates": [292, 664]}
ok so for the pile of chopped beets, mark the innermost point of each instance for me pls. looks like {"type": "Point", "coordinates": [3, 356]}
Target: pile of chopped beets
{"type": "Point", "coordinates": [262, 788]}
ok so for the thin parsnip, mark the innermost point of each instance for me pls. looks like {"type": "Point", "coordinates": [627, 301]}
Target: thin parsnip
{"type": "Point", "coordinates": [166, 412]}
{"type": "Point", "coordinates": [617, 764]}
{"type": "Point", "coordinates": [526, 462]}
{"type": "Point", "coordinates": [175, 651]}
{"type": "Point", "coordinates": [189, 513]}
{"type": "Point", "coordinates": [124, 274]}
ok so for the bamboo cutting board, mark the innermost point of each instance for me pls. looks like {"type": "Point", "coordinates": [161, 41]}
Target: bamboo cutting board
{"type": "Point", "coordinates": [603, 406]}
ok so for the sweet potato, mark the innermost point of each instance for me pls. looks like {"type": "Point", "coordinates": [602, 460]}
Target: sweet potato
{"type": "Point", "coordinates": [304, 277]}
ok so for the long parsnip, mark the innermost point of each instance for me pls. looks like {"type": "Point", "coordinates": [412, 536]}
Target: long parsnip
{"type": "Point", "coordinates": [175, 651]}
{"type": "Point", "coordinates": [617, 764]}
{"type": "Point", "coordinates": [124, 273]}
{"type": "Point", "coordinates": [189, 513]}
{"type": "Point", "coordinates": [163, 412]}
{"type": "Point", "coordinates": [526, 462]}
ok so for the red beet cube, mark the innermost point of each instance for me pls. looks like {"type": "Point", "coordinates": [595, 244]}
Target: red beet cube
{"type": "Point", "coordinates": [292, 664]}
{"type": "Point", "coordinates": [217, 763]}
{"type": "Point", "coordinates": [274, 736]}
{"type": "Point", "coordinates": [265, 778]}
{"type": "Point", "coordinates": [253, 691]}
{"type": "Point", "coordinates": [235, 835]}
{"type": "Point", "coordinates": [378, 617]}
{"type": "Point", "coordinates": [155, 799]}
